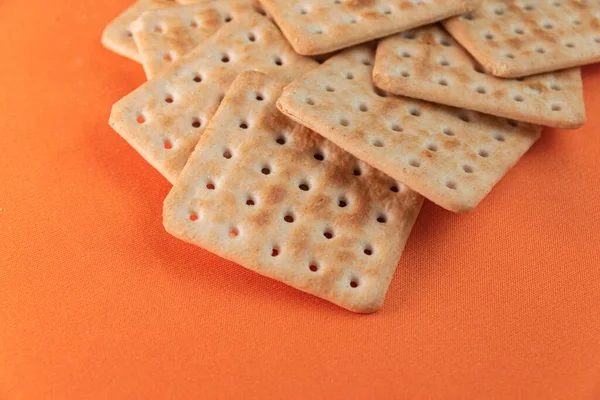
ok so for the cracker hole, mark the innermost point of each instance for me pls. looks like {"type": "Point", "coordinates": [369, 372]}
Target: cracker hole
{"type": "Point", "coordinates": [540, 50]}
{"type": "Point", "coordinates": [447, 132]}
{"type": "Point", "coordinates": [342, 202]}
{"type": "Point", "coordinates": [193, 24]}
{"type": "Point", "coordinates": [394, 189]}
{"type": "Point", "coordinates": [310, 102]}
{"type": "Point", "coordinates": [479, 68]}
{"type": "Point", "coordinates": [243, 125]}
{"type": "Point", "coordinates": [499, 137]}
{"type": "Point", "coordinates": [197, 78]}
{"type": "Point", "coordinates": [483, 153]}
{"type": "Point", "coordinates": [445, 42]}
{"type": "Point", "coordinates": [167, 58]}
{"type": "Point", "coordinates": [289, 218]}
{"type": "Point", "coordinates": [302, 11]}
{"type": "Point", "coordinates": [140, 119]}
{"type": "Point", "coordinates": [169, 99]}
{"type": "Point", "coordinates": [167, 144]}
{"type": "Point", "coordinates": [354, 284]}
{"type": "Point", "coordinates": [368, 251]}
{"type": "Point", "coordinates": [356, 172]}
{"type": "Point", "coordinates": [259, 97]}
{"type": "Point", "coordinates": [404, 74]}
{"type": "Point", "coordinates": [363, 107]}
{"type": "Point", "coordinates": [548, 25]}
{"type": "Point", "coordinates": [409, 35]}
{"type": "Point", "coordinates": [233, 233]}
{"type": "Point", "coordinates": [512, 123]}
{"type": "Point", "coordinates": [250, 202]}
{"type": "Point", "coordinates": [556, 107]}
{"type": "Point", "coordinates": [252, 37]}
{"type": "Point", "coordinates": [555, 87]}
{"type": "Point", "coordinates": [451, 185]}
{"type": "Point", "coordinates": [499, 11]}
{"type": "Point", "coordinates": [480, 90]}
{"type": "Point", "coordinates": [518, 98]}
{"type": "Point", "coordinates": [442, 82]}
{"type": "Point", "coordinates": [529, 7]}
{"type": "Point", "coordinates": [509, 55]}
{"type": "Point", "coordinates": [211, 186]}
{"type": "Point", "coordinates": [518, 31]}
{"type": "Point", "coordinates": [304, 187]}
{"type": "Point", "coordinates": [225, 58]}
{"type": "Point", "coordinates": [443, 61]}
{"type": "Point", "coordinates": [405, 54]}
{"type": "Point", "coordinates": [468, 17]}
{"type": "Point", "coordinates": [396, 128]}
{"type": "Point", "coordinates": [274, 252]}
{"type": "Point", "coordinates": [367, 62]}
{"type": "Point", "coordinates": [432, 147]}
{"type": "Point", "coordinates": [313, 267]}
{"type": "Point", "coordinates": [265, 170]}
{"type": "Point", "coordinates": [349, 76]}
{"type": "Point", "coordinates": [414, 111]}
{"type": "Point", "coordinates": [193, 217]}
{"type": "Point", "coordinates": [227, 154]}
{"type": "Point", "coordinates": [280, 140]}
{"type": "Point", "coordinates": [344, 122]}
{"type": "Point", "coordinates": [196, 123]}
{"type": "Point", "coordinates": [228, 18]}
{"type": "Point", "coordinates": [570, 45]}
{"type": "Point", "coordinates": [382, 219]}
{"type": "Point", "coordinates": [467, 168]}
{"type": "Point", "coordinates": [158, 29]}
{"type": "Point", "coordinates": [464, 117]}
{"type": "Point", "coordinates": [414, 163]}
{"type": "Point", "coordinates": [377, 143]}
{"type": "Point", "coordinates": [328, 234]}
{"type": "Point", "coordinates": [329, 88]}
{"type": "Point", "coordinates": [318, 156]}
{"type": "Point", "coordinates": [278, 61]}
{"type": "Point", "coordinates": [488, 36]}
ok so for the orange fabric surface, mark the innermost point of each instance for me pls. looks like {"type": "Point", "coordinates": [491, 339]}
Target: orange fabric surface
{"type": "Point", "coordinates": [97, 301]}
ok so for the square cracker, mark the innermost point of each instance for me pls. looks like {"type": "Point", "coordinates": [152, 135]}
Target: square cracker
{"type": "Point", "coordinates": [428, 64]}
{"type": "Point", "coordinates": [287, 203]}
{"type": "Point", "coordinates": [518, 38]}
{"type": "Point", "coordinates": [451, 156]}
{"type": "Point", "coordinates": [164, 118]}
{"type": "Point", "coordinates": [117, 35]}
{"type": "Point", "coordinates": [321, 26]}
{"type": "Point", "coordinates": [165, 35]}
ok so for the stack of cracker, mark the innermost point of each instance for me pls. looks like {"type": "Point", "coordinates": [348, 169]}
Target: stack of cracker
{"type": "Point", "coordinates": [301, 136]}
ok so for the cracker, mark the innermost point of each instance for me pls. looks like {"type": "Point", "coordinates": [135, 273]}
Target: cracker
{"type": "Point", "coordinates": [165, 35]}
{"type": "Point", "coordinates": [519, 38]}
{"type": "Point", "coordinates": [283, 201]}
{"type": "Point", "coordinates": [451, 156]}
{"type": "Point", "coordinates": [164, 118]}
{"type": "Point", "coordinates": [317, 27]}
{"type": "Point", "coordinates": [117, 35]}
{"type": "Point", "coordinates": [428, 64]}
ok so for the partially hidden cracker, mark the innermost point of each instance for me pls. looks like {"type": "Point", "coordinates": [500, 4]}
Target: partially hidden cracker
{"type": "Point", "coordinates": [164, 118]}
{"type": "Point", "coordinates": [165, 35]}
{"type": "Point", "coordinates": [451, 156]}
{"type": "Point", "coordinates": [317, 27]}
{"type": "Point", "coordinates": [519, 38]}
{"type": "Point", "coordinates": [281, 200]}
{"type": "Point", "coordinates": [117, 35]}
{"type": "Point", "coordinates": [428, 64]}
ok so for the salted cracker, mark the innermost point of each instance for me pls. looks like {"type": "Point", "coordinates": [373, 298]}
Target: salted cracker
{"type": "Point", "coordinates": [519, 38]}
{"type": "Point", "coordinates": [428, 64]}
{"type": "Point", "coordinates": [165, 35]}
{"type": "Point", "coordinates": [281, 200]}
{"type": "Point", "coordinates": [451, 156]}
{"type": "Point", "coordinates": [322, 26]}
{"type": "Point", "coordinates": [164, 118]}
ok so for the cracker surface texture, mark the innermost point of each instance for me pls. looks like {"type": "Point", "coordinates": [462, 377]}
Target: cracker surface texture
{"type": "Point", "coordinates": [512, 38]}
{"type": "Point", "coordinates": [281, 200]}
{"type": "Point", "coordinates": [317, 27]}
{"type": "Point", "coordinates": [164, 118]}
{"type": "Point", "coordinates": [165, 35]}
{"type": "Point", "coordinates": [451, 156]}
{"type": "Point", "coordinates": [429, 64]}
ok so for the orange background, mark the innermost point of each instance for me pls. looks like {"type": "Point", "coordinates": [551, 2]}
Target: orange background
{"type": "Point", "coordinates": [98, 302]}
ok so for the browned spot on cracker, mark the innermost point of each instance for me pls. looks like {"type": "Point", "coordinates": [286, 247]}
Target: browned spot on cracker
{"type": "Point", "coordinates": [451, 144]}
{"type": "Point", "coordinates": [275, 194]}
